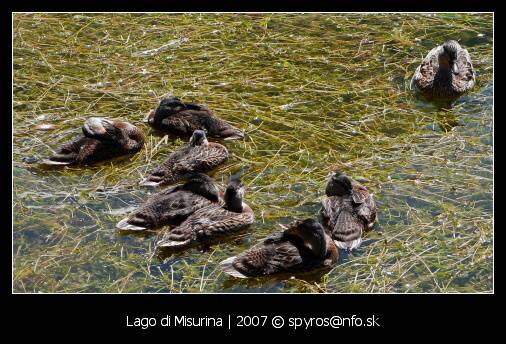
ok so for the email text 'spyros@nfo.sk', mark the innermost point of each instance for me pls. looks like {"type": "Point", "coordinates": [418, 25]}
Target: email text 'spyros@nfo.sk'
{"type": "Point", "coordinates": [231, 321]}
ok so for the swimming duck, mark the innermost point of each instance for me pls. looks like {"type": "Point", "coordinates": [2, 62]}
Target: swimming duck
{"type": "Point", "coordinates": [213, 221]}
{"type": "Point", "coordinates": [184, 118]}
{"type": "Point", "coordinates": [347, 210]}
{"type": "Point", "coordinates": [302, 246]}
{"type": "Point", "coordinates": [446, 72]}
{"type": "Point", "coordinates": [173, 205]}
{"type": "Point", "coordinates": [103, 139]}
{"type": "Point", "coordinates": [198, 155]}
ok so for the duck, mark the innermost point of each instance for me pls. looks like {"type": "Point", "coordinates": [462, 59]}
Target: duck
{"type": "Point", "coordinates": [172, 206]}
{"type": "Point", "coordinates": [303, 246]}
{"type": "Point", "coordinates": [212, 222]}
{"type": "Point", "coordinates": [102, 139]}
{"type": "Point", "coordinates": [347, 211]}
{"type": "Point", "coordinates": [199, 155]}
{"type": "Point", "coordinates": [446, 72]}
{"type": "Point", "coordinates": [173, 115]}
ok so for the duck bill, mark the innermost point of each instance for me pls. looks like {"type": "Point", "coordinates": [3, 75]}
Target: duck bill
{"type": "Point", "coordinates": [455, 68]}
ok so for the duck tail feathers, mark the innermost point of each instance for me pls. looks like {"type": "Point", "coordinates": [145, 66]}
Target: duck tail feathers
{"type": "Point", "coordinates": [167, 243]}
{"type": "Point", "coordinates": [348, 245]}
{"type": "Point", "coordinates": [54, 163]}
{"type": "Point", "coordinates": [146, 182]}
{"type": "Point", "coordinates": [228, 268]}
{"type": "Point", "coordinates": [125, 225]}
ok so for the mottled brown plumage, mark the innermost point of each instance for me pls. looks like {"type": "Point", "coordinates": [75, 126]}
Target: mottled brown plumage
{"type": "Point", "coordinates": [173, 205]}
{"type": "Point", "coordinates": [198, 155]}
{"type": "Point", "coordinates": [446, 72]}
{"type": "Point", "coordinates": [347, 210]}
{"type": "Point", "coordinates": [175, 116]}
{"type": "Point", "coordinates": [103, 139]}
{"type": "Point", "coordinates": [213, 221]}
{"type": "Point", "coordinates": [303, 246]}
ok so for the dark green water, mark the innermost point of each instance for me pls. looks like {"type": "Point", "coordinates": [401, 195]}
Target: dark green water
{"type": "Point", "coordinates": [315, 93]}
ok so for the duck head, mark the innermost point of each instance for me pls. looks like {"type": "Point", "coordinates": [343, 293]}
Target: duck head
{"type": "Point", "coordinates": [202, 184]}
{"type": "Point", "coordinates": [233, 195]}
{"type": "Point", "coordinates": [312, 235]}
{"type": "Point", "coordinates": [198, 138]}
{"type": "Point", "coordinates": [100, 128]}
{"type": "Point", "coordinates": [448, 57]}
{"type": "Point", "coordinates": [339, 184]}
{"type": "Point", "coordinates": [168, 106]}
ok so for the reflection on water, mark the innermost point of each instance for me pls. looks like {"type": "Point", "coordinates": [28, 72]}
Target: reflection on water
{"type": "Point", "coordinates": [315, 93]}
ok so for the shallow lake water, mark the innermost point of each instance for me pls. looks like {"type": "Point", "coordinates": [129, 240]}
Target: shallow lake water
{"type": "Point", "coordinates": [315, 93]}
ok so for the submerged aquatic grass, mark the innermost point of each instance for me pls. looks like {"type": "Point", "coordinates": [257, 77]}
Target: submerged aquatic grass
{"type": "Point", "coordinates": [315, 93]}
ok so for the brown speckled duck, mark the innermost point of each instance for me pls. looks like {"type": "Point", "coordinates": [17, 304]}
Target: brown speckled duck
{"type": "Point", "coordinates": [198, 155]}
{"type": "Point", "coordinates": [172, 115]}
{"type": "Point", "coordinates": [347, 210]}
{"type": "Point", "coordinates": [173, 205]}
{"type": "Point", "coordinates": [446, 72]}
{"type": "Point", "coordinates": [103, 139]}
{"type": "Point", "coordinates": [303, 246]}
{"type": "Point", "coordinates": [213, 221]}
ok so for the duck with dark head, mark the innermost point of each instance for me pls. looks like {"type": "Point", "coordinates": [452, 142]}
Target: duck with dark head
{"type": "Point", "coordinates": [175, 116]}
{"type": "Point", "coordinates": [173, 205]}
{"type": "Point", "coordinates": [212, 222]}
{"type": "Point", "coordinates": [199, 155]}
{"type": "Point", "coordinates": [303, 246]}
{"type": "Point", "coordinates": [103, 139]}
{"type": "Point", "coordinates": [348, 209]}
{"type": "Point", "coordinates": [446, 72]}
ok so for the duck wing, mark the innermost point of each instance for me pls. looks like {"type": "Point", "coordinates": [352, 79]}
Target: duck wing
{"type": "Point", "coordinates": [183, 121]}
{"type": "Point", "coordinates": [367, 211]}
{"type": "Point", "coordinates": [331, 209]}
{"type": "Point", "coordinates": [206, 223]}
{"type": "Point", "coordinates": [359, 193]}
{"type": "Point", "coordinates": [166, 172]}
{"type": "Point", "coordinates": [82, 150]}
{"type": "Point", "coordinates": [424, 74]}
{"type": "Point", "coordinates": [68, 152]}
{"type": "Point", "coordinates": [364, 204]}
{"type": "Point", "coordinates": [270, 258]}
{"type": "Point", "coordinates": [94, 151]}
{"type": "Point", "coordinates": [220, 128]}
{"type": "Point", "coordinates": [167, 208]}
{"type": "Point", "coordinates": [202, 159]}
{"type": "Point", "coordinates": [466, 78]}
